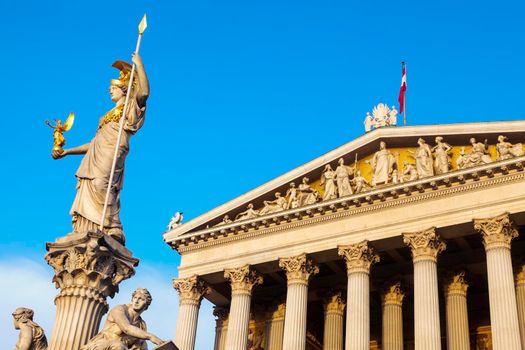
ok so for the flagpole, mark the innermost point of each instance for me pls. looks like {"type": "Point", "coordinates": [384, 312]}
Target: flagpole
{"type": "Point", "coordinates": [405, 98]}
{"type": "Point", "coordinates": [142, 28]}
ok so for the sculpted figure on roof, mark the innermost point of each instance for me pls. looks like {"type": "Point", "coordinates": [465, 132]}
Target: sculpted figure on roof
{"type": "Point", "coordinates": [383, 163]}
{"type": "Point", "coordinates": [342, 175]}
{"type": "Point", "coordinates": [249, 213]}
{"type": "Point", "coordinates": [306, 194]}
{"type": "Point", "coordinates": [441, 156]}
{"type": "Point", "coordinates": [479, 155]}
{"type": "Point", "coordinates": [423, 157]}
{"type": "Point", "coordinates": [328, 180]}
{"type": "Point", "coordinates": [507, 150]}
{"type": "Point", "coordinates": [409, 172]}
{"type": "Point", "coordinates": [278, 204]}
{"type": "Point", "coordinates": [360, 183]}
{"type": "Point", "coordinates": [293, 201]}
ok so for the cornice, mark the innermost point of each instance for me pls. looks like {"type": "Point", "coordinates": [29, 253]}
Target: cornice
{"type": "Point", "coordinates": [380, 198]}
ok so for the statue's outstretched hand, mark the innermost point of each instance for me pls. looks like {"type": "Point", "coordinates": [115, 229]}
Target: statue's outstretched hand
{"type": "Point", "coordinates": [155, 340]}
{"type": "Point", "coordinates": [57, 154]}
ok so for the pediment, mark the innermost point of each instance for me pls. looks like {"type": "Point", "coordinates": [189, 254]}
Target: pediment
{"type": "Point", "coordinates": [358, 156]}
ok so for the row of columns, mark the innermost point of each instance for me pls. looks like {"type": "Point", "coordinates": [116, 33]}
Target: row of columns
{"type": "Point", "coordinates": [286, 328]}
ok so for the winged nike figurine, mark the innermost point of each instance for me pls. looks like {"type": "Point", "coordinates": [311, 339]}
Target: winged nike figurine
{"type": "Point", "coordinates": [58, 138]}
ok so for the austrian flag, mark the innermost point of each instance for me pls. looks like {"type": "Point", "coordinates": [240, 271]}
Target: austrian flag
{"type": "Point", "coordinates": [402, 89]}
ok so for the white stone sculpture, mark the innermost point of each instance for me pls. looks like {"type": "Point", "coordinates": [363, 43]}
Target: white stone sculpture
{"type": "Point", "coordinates": [225, 220]}
{"type": "Point", "coordinates": [31, 335]}
{"type": "Point", "coordinates": [361, 184]}
{"type": "Point", "coordinates": [462, 158]}
{"type": "Point", "coordinates": [249, 213]}
{"type": "Point", "coordinates": [507, 150]}
{"type": "Point", "coordinates": [381, 116]}
{"type": "Point", "coordinates": [478, 155]}
{"type": "Point", "coordinates": [410, 172]}
{"type": "Point", "coordinates": [278, 204]}
{"type": "Point", "coordinates": [383, 163]}
{"type": "Point", "coordinates": [342, 176]}
{"type": "Point", "coordinates": [175, 221]}
{"type": "Point", "coordinates": [441, 156]}
{"type": "Point", "coordinates": [328, 180]}
{"type": "Point", "coordinates": [423, 157]}
{"type": "Point", "coordinates": [306, 194]}
{"type": "Point", "coordinates": [293, 201]}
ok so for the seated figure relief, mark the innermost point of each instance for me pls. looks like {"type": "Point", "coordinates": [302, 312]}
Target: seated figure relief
{"type": "Point", "coordinates": [306, 194]}
{"type": "Point", "coordinates": [479, 155]}
{"type": "Point", "coordinates": [249, 213]}
{"type": "Point", "coordinates": [507, 150]}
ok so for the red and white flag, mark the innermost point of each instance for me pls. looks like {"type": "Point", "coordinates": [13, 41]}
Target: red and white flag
{"type": "Point", "coordinates": [403, 88]}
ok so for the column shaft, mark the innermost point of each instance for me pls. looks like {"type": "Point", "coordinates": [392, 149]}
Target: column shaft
{"type": "Point", "coordinates": [457, 313]}
{"type": "Point", "coordinates": [238, 321]}
{"type": "Point", "coordinates": [358, 312]}
{"type": "Point", "coordinates": [333, 321]}
{"type": "Point", "coordinates": [274, 334]}
{"type": "Point", "coordinates": [393, 317]}
{"type": "Point", "coordinates": [520, 300]}
{"type": "Point", "coordinates": [186, 329]}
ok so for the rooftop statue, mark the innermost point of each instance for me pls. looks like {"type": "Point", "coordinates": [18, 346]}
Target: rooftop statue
{"type": "Point", "coordinates": [381, 116]}
{"type": "Point", "coordinates": [31, 335]}
{"type": "Point", "coordinates": [124, 328]}
{"type": "Point", "coordinates": [94, 172]}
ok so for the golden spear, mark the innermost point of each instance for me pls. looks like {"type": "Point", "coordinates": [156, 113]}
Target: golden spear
{"type": "Point", "coordinates": [142, 27]}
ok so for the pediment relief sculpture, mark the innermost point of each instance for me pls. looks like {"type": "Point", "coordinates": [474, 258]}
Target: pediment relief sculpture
{"type": "Point", "coordinates": [384, 167]}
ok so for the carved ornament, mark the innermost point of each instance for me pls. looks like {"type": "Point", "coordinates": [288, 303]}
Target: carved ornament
{"type": "Point", "coordinates": [359, 257]}
{"type": "Point", "coordinates": [191, 289]}
{"type": "Point", "coordinates": [334, 303]}
{"type": "Point", "coordinates": [456, 284]}
{"type": "Point", "coordinates": [242, 279]}
{"type": "Point", "coordinates": [298, 268]}
{"type": "Point", "coordinates": [425, 245]}
{"type": "Point", "coordinates": [393, 294]}
{"type": "Point", "coordinates": [497, 232]}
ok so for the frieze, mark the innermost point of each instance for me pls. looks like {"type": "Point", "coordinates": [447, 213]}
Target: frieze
{"type": "Point", "coordinates": [394, 195]}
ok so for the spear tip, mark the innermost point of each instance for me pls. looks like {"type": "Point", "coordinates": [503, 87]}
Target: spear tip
{"type": "Point", "coordinates": [143, 24]}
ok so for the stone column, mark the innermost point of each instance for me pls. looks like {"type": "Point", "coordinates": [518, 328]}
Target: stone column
{"type": "Point", "coordinates": [242, 280]}
{"type": "Point", "coordinates": [392, 302]}
{"type": "Point", "coordinates": [191, 291]}
{"type": "Point", "coordinates": [497, 234]}
{"type": "Point", "coordinates": [520, 298]}
{"type": "Point", "coordinates": [221, 326]}
{"type": "Point", "coordinates": [425, 246]}
{"type": "Point", "coordinates": [457, 315]}
{"type": "Point", "coordinates": [298, 271]}
{"type": "Point", "coordinates": [275, 328]}
{"type": "Point", "coordinates": [334, 307]}
{"type": "Point", "coordinates": [359, 258]}
{"type": "Point", "coordinates": [88, 268]}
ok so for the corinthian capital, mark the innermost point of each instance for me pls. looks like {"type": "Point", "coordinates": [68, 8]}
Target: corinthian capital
{"type": "Point", "coordinates": [298, 268]}
{"type": "Point", "coordinates": [393, 294]}
{"type": "Point", "coordinates": [359, 257]}
{"type": "Point", "coordinates": [191, 290]}
{"type": "Point", "coordinates": [242, 279]}
{"type": "Point", "coordinates": [456, 284]}
{"type": "Point", "coordinates": [425, 245]}
{"type": "Point", "coordinates": [497, 232]}
{"type": "Point", "coordinates": [334, 303]}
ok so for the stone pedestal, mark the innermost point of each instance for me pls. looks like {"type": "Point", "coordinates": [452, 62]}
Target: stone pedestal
{"type": "Point", "coordinates": [298, 271]}
{"type": "Point", "coordinates": [334, 308]}
{"type": "Point", "coordinates": [497, 234]}
{"type": "Point", "coordinates": [457, 315]}
{"type": "Point", "coordinates": [191, 291]}
{"type": "Point", "coordinates": [392, 303]}
{"type": "Point", "coordinates": [520, 299]}
{"type": "Point", "coordinates": [359, 258]}
{"type": "Point", "coordinates": [88, 268]}
{"type": "Point", "coordinates": [275, 328]}
{"type": "Point", "coordinates": [242, 280]}
{"type": "Point", "coordinates": [425, 247]}
{"type": "Point", "coordinates": [221, 327]}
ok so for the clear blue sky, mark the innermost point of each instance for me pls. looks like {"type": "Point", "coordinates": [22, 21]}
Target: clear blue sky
{"type": "Point", "coordinates": [241, 92]}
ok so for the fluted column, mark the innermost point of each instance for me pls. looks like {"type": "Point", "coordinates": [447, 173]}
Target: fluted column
{"type": "Point", "coordinates": [457, 314]}
{"type": "Point", "coordinates": [221, 326]}
{"type": "Point", "coordinates": [520, 299]}
{"type": "Point", "coordinates": [359, 258]}
{"type": "Point", "coordinates": [275, 328]}
{"type": "Point", "coordinates": [334, 308]}
{"type": "Point", "coordinates": [497, 234]}
{"type": "Point", "coordinates": [191, 291]}
{"type": "Point", "coordinates": [392, 303]}
{"type": "Point", "coordinates": [298, 271]}
{"type": "Point", "coordinates": [88, 268]}
{"type": "Point", "coordinates": [425, 246]}
{"type": "Point", "coordinates": [242, 281]}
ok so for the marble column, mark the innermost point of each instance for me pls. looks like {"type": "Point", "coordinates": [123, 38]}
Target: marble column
{"type": "Point", "coordinates": [298, 271]}
{"type": "Point", "coordinates": [520, 298]}
{"type": "Point", "coordinates": [275, 328]}
{"type": "Point", "coordinates": [392, 302]}
{"type": "Point", "coordinates": [191, 291]}
{"type": "Point", "coordinates": [359, 258]}
{"type": "Point", "coordinates": [334, 308]}
{"type": "Point", "coordinates": [457, 315]}
{"type": "Point", "coordinates": [242, 281]}
{"type": "Point", "coordinates": [221, 327]}
{"type": "Point", "coordinates": [88, 269]}
{"type": "Point", "coordinates": [497, 234]}
{"type": "Point", "coordinates": [425, 246]}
